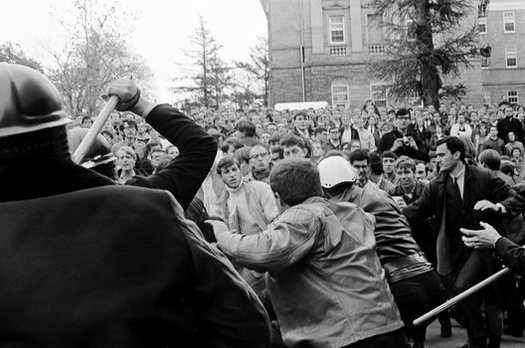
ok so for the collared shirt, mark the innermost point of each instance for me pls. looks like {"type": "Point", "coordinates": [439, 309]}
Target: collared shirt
{"type": "Point", "coordinates": [460, 177]}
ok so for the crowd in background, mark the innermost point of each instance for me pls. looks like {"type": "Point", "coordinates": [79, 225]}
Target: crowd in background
{"type": "Point", "coordinates": [386, 133]}
{"type": "Point", "coordinates": [391, 150]}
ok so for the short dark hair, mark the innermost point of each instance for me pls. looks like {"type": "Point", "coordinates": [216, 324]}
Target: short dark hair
{"type": "Point", "coordinates": [129, 122]}
{"type": "Point", "coordinates": [291, 139]}
{"type": "Point", "coordinates": [276, 137]}
{"type": "Point", "coordinates": [359, 155]}
{"type": "Point", "coordinates": [320, 130]}
{"type": "Point", "coordinates": [246, 127]}
{"type": "Point", "coordinates": [301, 113]}
{"type": "Point", "coordinates": [454, 144]}
{"type": "Point", "coordinates": [388, 154]}
{"type": "Point", "coordinates": [242, 154]}
{"type": "Point", "coordinates": [227, 162]}
{"type": "Point", "coordinates": [151, 144]}
{"type": "Point", "coordinates": [402, 112]}
{"type": "Point", "coordinates": [491, 158]}
{"type": "Point", "coordinates": [86, 118]}
{"type": "Point", "coordinates": [405, 162]}
{"type": "Point", "coordinates": [295, 180]}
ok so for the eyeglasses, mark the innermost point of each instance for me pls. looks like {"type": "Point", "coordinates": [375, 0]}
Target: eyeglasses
{"type": "Point", "coordinates": [257, 155]}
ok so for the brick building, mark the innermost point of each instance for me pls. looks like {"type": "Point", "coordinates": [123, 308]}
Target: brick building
{"type": "Point", "coordinates": [502, 27]}
{"type": "Point", "coordinates": [336, 40]}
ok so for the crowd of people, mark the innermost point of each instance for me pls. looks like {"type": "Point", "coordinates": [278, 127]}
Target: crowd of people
{"type": "Point", "coordinates": [256, 228]}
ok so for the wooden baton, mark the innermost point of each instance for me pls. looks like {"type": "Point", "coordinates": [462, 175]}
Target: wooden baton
{"type": "Point", "coordinates": [91, 135]}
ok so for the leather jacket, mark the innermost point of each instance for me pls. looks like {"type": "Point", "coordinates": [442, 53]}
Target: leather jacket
{"type": "Point", "coordinates": [396, 247]}
{"type": "Point", "coordinates": [325, 280]}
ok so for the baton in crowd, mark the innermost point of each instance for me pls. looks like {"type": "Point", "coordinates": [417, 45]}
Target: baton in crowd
{"type": "Point", "coordinates": [91, 135]}
{"type": "Point", "coordinates": [460, 297]}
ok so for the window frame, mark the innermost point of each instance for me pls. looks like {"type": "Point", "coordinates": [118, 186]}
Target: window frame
{"type": "Point", "coordinates": [516, 97]}
{"type": "Point", "coordinates": [379, 101]}
{"type": "Point", "coordinates": [332, 29]}
{"type": "Point", "coordinates": [340, 83]}
{"type": "Point", "coordinates": [482, 21]}
{"type": "Point", "coordinates": [509, 19]}
{"type": "Point", "coordinates": [511, 53]}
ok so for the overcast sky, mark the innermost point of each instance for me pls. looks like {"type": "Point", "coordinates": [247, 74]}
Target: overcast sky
{"type": "Point", "coordinates": [161, 32]}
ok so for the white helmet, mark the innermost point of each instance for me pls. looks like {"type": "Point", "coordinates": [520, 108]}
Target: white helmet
{"type": "Point", "coordinates": [335, 170]}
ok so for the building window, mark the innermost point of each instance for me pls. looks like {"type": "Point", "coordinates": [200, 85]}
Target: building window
{"type": "Point", "coordinates": [511, 58]}
{"type": "Point", "coordinates": [482, 25]}
{"type": "Point", "coordinates": [337, 29]}
{"type": "Point", "coordinates": [485, 62]}
{"type": "Point", "coordinates": [378, 94]}
{"type": "Point", "coordinates": [508, 22]}
{"type": "Point", "coordinates": [512, 97]}
{"type": "Point", "coordinates": [340, 93]}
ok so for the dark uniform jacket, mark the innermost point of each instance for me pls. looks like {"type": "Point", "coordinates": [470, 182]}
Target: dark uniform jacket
{"type": "Point", "coordinates": [511, 254]}
{"type": "Point", "coordinates": [87, 263]}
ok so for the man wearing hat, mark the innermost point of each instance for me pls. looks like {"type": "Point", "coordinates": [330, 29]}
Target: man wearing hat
{"type": "Point", "coordinates": [89, 263]}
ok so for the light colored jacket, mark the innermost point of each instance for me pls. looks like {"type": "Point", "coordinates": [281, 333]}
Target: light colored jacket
{"type": "Point", "coordinates": [263, 207]}
{"type": "Point", "coordinates": [325, 280]}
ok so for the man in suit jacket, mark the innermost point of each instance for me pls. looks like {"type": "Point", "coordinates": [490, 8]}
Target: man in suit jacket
{"type": "Point", "coordinates": [460, 197]}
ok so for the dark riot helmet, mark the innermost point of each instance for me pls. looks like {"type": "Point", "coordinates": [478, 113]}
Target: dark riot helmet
{"type": "Point", "coordinates": [32, 119]}
{"type": "Point", "coordinates": [28, 101]}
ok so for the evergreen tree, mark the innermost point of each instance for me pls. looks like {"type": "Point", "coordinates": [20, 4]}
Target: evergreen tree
{"type": "Point", "coordinates": [428, 42]}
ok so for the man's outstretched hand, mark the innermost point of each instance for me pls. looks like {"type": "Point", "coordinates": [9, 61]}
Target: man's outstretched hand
{"type": "Point", "coordinates": [483, 239]}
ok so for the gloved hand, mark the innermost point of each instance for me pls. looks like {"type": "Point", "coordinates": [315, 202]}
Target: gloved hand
{"type": "Point", "coordinates": [127, 92]}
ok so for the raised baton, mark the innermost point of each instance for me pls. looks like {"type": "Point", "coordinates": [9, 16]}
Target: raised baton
{"type": "Point", "coordinates": [89, 139]}
{"type": "Point", "coordinates": [460, 297]}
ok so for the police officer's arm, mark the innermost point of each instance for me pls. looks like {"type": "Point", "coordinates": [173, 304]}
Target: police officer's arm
{"type": "Point", "coordinates": [285, 242]}
{"type": "Point", "coordinates": [185, 174]}
{"type": "Point", "coordinates": [511, 254]}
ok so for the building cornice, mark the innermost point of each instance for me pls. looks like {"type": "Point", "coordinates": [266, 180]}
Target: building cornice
{"type": "Point", "coordinates": [507, 5]}
{"type": "Point", "coordinates": [336, 5]}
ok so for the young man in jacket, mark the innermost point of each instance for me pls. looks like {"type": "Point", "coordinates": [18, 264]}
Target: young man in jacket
{"type": "Point", "coordinates": [94, 264]}
{"type": "Point", "coordinates": [415, 285]}
{"type": "Point", "coordinates": [325, 280]}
